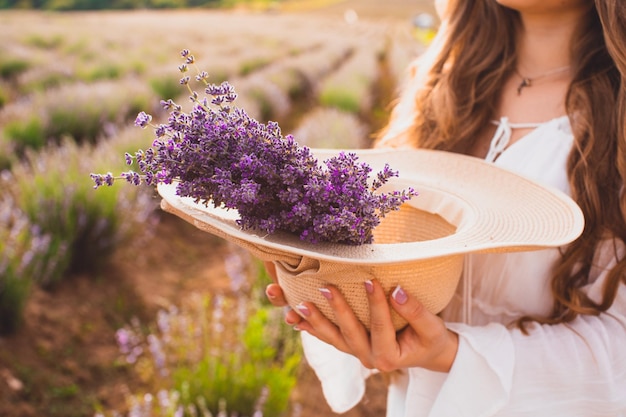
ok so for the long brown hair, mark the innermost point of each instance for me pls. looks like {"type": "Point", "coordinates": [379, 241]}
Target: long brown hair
{"type": "Point", "coordinates": [450, 99]}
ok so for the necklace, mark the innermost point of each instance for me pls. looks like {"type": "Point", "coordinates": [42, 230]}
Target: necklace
{"type": "Point", "coordinates": [527, 81]}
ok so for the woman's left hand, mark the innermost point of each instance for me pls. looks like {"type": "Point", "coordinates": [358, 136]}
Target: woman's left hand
{"type": "Point", "coordinates": [425, 342]}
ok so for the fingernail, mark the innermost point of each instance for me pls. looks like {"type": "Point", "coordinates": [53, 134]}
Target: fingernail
{"type": "Point", "coordinates": [369, 287]}
{"type": "Point", "coordinates": [326, 293]}
{"type": "Point", "coordinates": [286, 310]}
{"type": "Point", "coordinates": [399, 295]}
{"type": "Point", "coordinates": [269, 294]}
{"type": "Point", "coordinates": [304, 310]}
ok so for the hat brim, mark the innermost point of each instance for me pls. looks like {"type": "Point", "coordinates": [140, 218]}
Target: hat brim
{"type": "Point", "coordinates": [490, 208]}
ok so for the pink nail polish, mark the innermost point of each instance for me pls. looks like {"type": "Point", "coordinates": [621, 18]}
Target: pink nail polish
{"type": "Point", "coordinates": [369, 286]}
{"type": "Point", "coordinates": [304, 310]}
{"type": "Point", "coordinates": [399, 295]}
{"type": "Point", "coordinates": [326, 293]}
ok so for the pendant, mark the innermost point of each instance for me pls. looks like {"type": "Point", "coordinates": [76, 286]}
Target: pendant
{"type": "Point", "coordinates": [526, 82]}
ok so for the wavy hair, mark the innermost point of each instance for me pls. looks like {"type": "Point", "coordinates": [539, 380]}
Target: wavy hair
{"type": "Point", "coordinates": [449, 100]}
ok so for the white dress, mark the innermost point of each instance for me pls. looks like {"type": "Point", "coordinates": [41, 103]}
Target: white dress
{"type": "Point", "coordinates": [574, 369]}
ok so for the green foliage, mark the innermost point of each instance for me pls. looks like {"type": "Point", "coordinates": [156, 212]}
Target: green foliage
{"type": "Point", "coordinates": [279, 376]}
{"type": "Point", "coordinates": [25, 134]}
{"type": "Point", "coordinates": [60, 5]}
{"type": "Point", "coordinates": [50, 79]}
{"type": "Point", "coordinates": [167, 4]}
{"type": "Point", "coordinates": [8, 156]}
{"type": "Point", "coordinates": [292, 81]}
{"type": "Point", "coordinates": [83, 126]}
{"type": "Point", "coordinates": [245, 375]}
{"type": "Point", "coordinates": [267, 112]}
{"type": "Point", "coordinates": [166, 87]}
{"type": "Point", "coordinates": [106, 71]}
{"type": "Point", "coordinates": [340, 98]}
{"type": "Point", "coordinates": [4, 96]}
{"type": "Point", "coordinates": [253, 4]}
{"type": "Point", "coordinates": [216, 355]}
{"type": "Point", "coordinates": [82, 112]}
{"type": "Point", "coordinates": [65, 391]}
{"type": "Point", "coordinates": [22, 258]}
{"type": "Point", "coordinates": [49, 41]}
{"type": "Point", "coordinates": [55, 192]}
{"type": "Point", "coordinates": [350, 87]}
{"type": "Point", "coordinates": [249, 66]}
{"type": "Point", "coordinates": [270, 100]}
{"type": "Point", "coordinates": [10, 68]}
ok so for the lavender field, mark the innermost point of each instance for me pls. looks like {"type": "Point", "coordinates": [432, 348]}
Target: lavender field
{"type": "Point", "coordinates": [108, 306]}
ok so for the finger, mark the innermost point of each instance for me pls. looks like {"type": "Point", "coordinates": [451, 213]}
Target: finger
{"type": "Point", "coordinates": [353, 332]}
{"type": "Point", "coordinates": [422, 321]}
{"type": "Point", "coordinates": [315, 323]}
{"type": "Point", "coordinates": [439, 344]}
{"type": "Point", "coordinates": [275, 295]}
{"type": "Point", "coordinates": [383, 334]}
{"type": "Point", "coordinates": [291, 317]}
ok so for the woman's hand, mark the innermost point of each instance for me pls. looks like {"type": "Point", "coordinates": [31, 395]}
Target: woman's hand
{"type": "Point", "coordinates": [425, 342]}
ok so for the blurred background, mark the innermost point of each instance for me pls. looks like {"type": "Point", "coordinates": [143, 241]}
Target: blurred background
{"type": "Point", "coordinates": [110, 307]}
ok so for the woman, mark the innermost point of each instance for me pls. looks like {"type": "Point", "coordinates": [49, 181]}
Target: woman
{"type": "Point", "coordinates": [537, 87]}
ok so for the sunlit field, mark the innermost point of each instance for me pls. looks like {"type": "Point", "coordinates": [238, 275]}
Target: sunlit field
{"type": "Point", "coordinates": [134, 56]}
{"type": "Point", "coordinates": [108, 306]}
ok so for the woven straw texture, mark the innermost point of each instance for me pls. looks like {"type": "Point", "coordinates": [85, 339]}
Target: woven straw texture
{"type": "Point", "coordinates": [432, 281]}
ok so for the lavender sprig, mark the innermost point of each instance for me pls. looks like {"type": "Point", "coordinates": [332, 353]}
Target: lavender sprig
{"type": "Point", "coordinates": [219, 155]}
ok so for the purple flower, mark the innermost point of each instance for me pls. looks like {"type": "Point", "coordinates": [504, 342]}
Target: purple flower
{"type": "Point", "coordinates": [143, 119]}
{"type": "Point", "coordinates": [221, 156]}
{"type": "Point", "coordinates": [102, 179]}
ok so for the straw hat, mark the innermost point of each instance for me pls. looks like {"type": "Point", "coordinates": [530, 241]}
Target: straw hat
{"type": "Point", "coordinates": [465, 205]}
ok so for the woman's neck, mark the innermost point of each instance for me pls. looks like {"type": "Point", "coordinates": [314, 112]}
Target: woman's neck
{"type": "Point", "coordinates": [544, 41]}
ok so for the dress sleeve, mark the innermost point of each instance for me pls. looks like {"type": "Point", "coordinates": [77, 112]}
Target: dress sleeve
{"type": "Point", "coordinates": [572, 369]}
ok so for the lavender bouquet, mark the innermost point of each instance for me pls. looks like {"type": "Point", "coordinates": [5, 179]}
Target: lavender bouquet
{"type": "Point", "coordinates": [219, 155]}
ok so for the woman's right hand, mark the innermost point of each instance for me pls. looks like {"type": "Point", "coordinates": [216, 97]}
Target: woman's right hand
{"type": "Point", "coordinates": [276, 296]}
